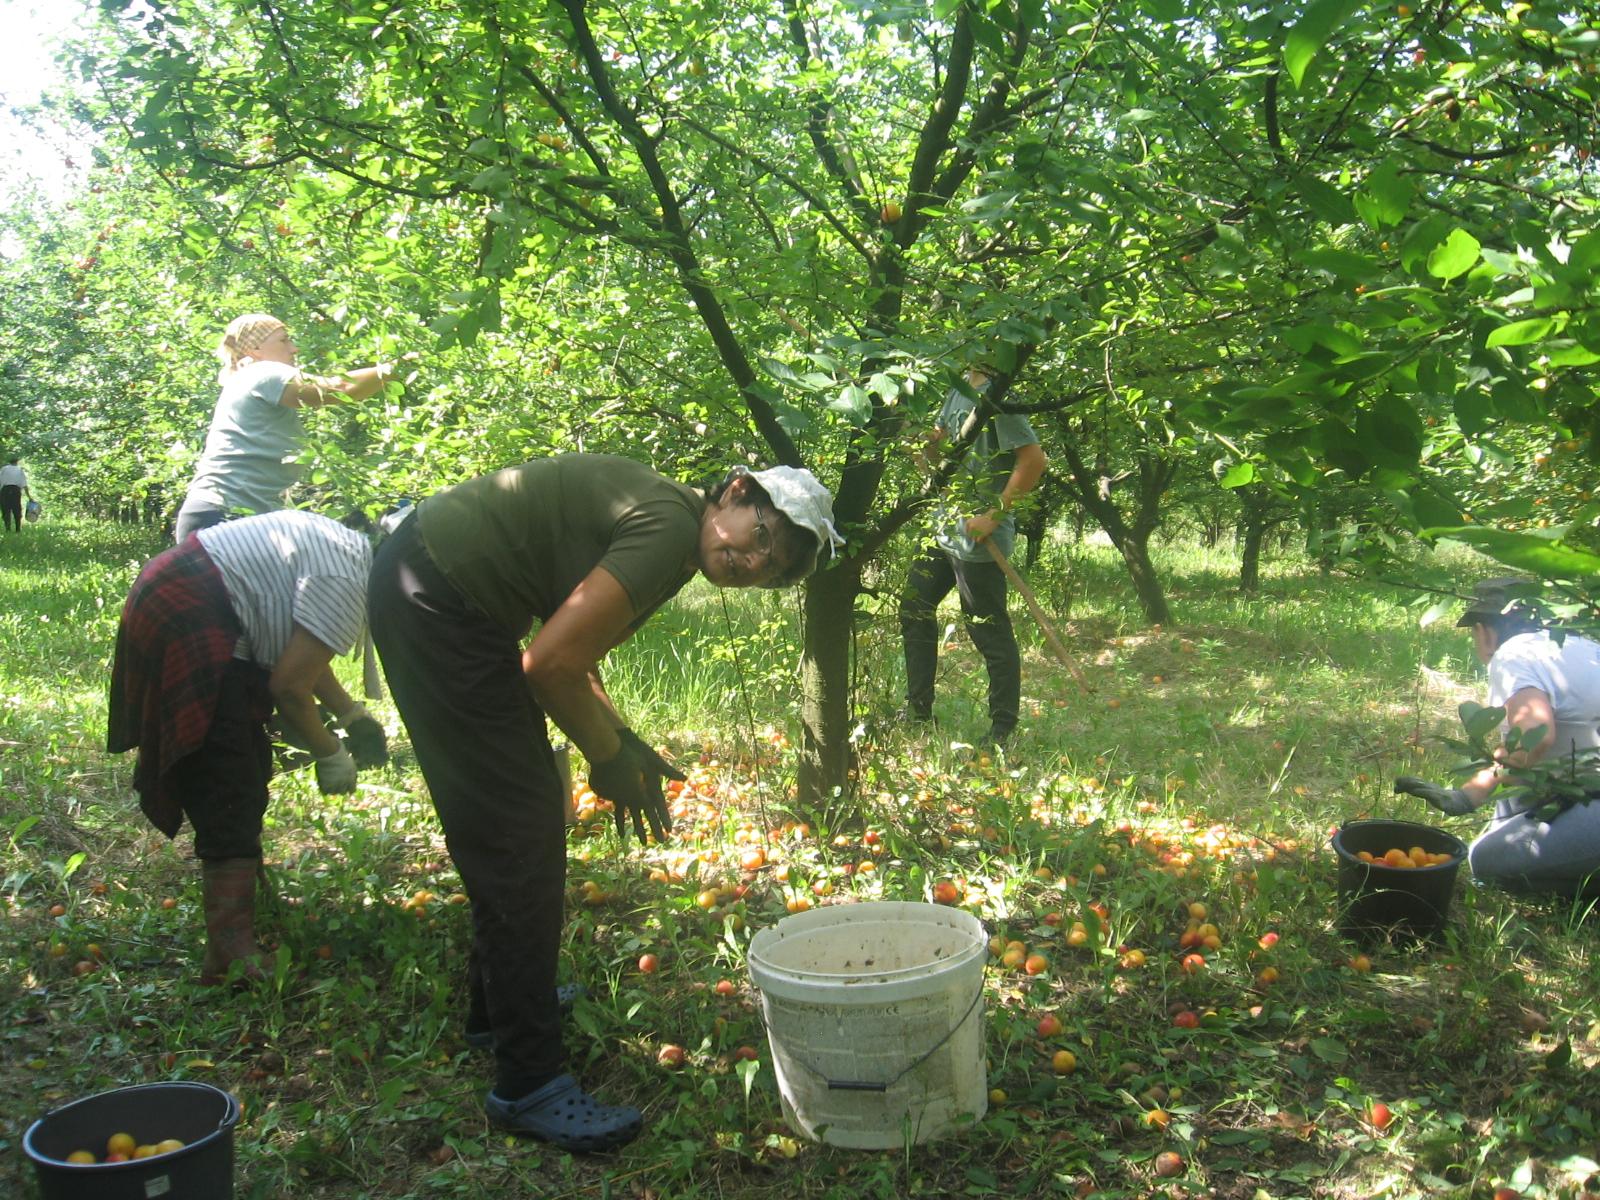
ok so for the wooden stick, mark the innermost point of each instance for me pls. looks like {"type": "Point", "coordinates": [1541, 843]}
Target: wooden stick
{"type": "Point", "coordinates": [1051, 637]}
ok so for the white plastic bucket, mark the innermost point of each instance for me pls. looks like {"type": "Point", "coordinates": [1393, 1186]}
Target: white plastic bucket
{"type": "Point", "coordinates": [874, 1013]}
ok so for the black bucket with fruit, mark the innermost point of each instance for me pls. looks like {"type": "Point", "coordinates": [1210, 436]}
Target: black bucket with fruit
{"type": "Point", "coordinates": [1395, 879]}
{"type": "Point", "coordinates": [133, 1143]}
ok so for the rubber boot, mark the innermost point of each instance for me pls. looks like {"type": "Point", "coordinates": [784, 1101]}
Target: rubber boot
{"type": "Point", "coordinates": [228, 889]}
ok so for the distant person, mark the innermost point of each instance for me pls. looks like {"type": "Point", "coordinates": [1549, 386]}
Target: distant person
{"type": "Point", "coordinates": [252, 452]}
{"type": "Point", "coordinates": [1539, 683]}
{"type": "Point", "coordinates": [218, 631]}
{"type": "Point", "coordinates": [13, 487]}
{"type": "Point", "coordinates": [1001, 467]}
{"type": "Point", "coordinates": [585, 547]}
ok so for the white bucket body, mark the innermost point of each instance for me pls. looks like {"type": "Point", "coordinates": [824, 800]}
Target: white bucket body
{"type": "Point", "coordinates": [874, 1013]}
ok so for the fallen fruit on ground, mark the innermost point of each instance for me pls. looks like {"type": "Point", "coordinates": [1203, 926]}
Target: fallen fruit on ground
{"type": "Point", "coordinates": [1064, 1062]}
{"type": "Point", "coordinates": [1049, 1025]}
{"type": "Point", "coordinates": [1168, 1164]}
{"type": "Point", "coordinates": [1379, 1116]}
{"type": "Point", "coordinates": [671, 1056]}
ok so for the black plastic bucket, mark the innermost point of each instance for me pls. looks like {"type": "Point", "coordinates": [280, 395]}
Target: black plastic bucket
{"type": "Point", "coordinates": [197, 1114]}
{"type": "Point", "coordinates": [1378, 901]}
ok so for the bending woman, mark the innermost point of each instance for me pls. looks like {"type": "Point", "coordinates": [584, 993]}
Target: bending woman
{"type": "Point", "coordinates": [588, 546]}
{"type": "Point", "coordinates": [215, 633]}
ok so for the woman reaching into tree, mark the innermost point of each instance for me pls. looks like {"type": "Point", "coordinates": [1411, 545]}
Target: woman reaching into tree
{"type": "Point", "coordinates": [589, 546]}
{"type": "Point", "coordinates": [253, 447]}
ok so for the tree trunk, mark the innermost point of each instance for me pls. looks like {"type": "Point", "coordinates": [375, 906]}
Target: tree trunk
{"type": "Point", "coordinates": [1131, 538]}
{"type": "Point", "coordinates": [1250, 564]}
{"type": "Point", "coordinates": [823, 777]}
{"type": "Point", "coordinates": [1253, 520]}
{"type": "Point", "coordinates": [1134, 547]}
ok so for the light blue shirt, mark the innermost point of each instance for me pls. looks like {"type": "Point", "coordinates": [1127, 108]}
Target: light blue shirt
{"type": "Point", "coordinates": [977, 486]}
{"type": "Point", "coordinates": [252, 450]}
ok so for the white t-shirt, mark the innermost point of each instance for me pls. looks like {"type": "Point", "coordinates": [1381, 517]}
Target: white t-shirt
{"type": "Point", "coordinates": [253, 448]}
{"type": "Point", "coordinates": [1568, 674]}
{"type": "Point", "coordinates": [291, 568]}
{"type": "Point", "coordinates": [12, 475]}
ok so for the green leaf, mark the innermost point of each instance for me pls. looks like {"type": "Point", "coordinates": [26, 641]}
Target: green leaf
{"type": "Point", "coordinates": [1329, 1050]}
{"type": "Point", "coordinates": [1455, 257]}
{"type": "Point", "coordinates": [1520, 333]}
{"type": "Point", "coordinates": [1386, 197]}
{"type": "Point", "coordinates": [1585, 253]}
{"type": "Point", "coordinates": [1436, 610]}
{"type": "Point", "coordinates": [1305, 338]}
{"type": "Point", "coordinates": [1479, 720]}
{"type": "Point", "coordinates": [1573, 355]}
{"type": "Point", "coordinates": [1239, 474]}
{"type": "Point", "coordinates": [1341, 263]}
{"type": "Point", "coordinates": [1525, 551]}
{"type": "Point", "coordinates": [1430, 509]}
{"type": "Point", "coordinates": [747, 1069]}
{"type": "Point", "coordinates": [1327, 201]}
{"type": "Point", "coordinates": [778, 370]}
{"type": "Point", "coordinates": [1310, 33]}
{"type": "Point", "coordinates": [855, 404]}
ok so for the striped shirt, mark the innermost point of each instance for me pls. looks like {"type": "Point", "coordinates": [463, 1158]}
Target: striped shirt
{"type": "Point", "coordinates": [291, 568]}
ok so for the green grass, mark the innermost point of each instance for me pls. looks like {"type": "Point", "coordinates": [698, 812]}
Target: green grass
{"type": "Point", "coordinates": [1274, 719]}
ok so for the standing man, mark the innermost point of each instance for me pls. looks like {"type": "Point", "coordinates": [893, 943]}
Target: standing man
{"type": "Point", "coordinates": [13, 487]}
{"type": "Point", "coordinates": [1001, 467]}
{"type": "Point", "coordinates": [1542, 684]}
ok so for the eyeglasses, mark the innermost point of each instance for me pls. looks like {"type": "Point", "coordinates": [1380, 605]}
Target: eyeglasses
{"type": "Point", "coordinates": [763, 535]}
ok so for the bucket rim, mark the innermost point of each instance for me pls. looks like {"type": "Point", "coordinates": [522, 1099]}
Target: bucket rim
{"type": "Point", "coordinates": [1458, 853]}
{"type": "Point", "coordinates": [225, 1126]}
{"type": "Point", "coordinates": [956, 920]}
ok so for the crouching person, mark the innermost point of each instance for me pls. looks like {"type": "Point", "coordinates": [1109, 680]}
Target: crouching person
{"type": "Point", "coordinates": [238, 620]}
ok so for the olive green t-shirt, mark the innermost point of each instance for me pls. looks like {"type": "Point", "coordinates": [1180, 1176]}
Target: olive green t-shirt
{"type": "Point", "coordinates": [519, 541]}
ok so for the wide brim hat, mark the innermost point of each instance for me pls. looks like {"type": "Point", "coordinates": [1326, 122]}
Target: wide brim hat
{"type": "Point", "coordinates": [1493, 598]}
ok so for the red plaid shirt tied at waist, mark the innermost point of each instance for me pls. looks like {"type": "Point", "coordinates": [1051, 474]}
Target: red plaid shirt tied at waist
{"type": "Point", "coordinates": [175, 641]}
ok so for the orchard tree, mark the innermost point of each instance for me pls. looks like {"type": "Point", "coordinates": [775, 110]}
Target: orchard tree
{"type": "Point", "coordinates": [795, 225]}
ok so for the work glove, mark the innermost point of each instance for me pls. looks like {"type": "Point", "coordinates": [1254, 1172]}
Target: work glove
{"type": "Point", "coordinates": [364, 738]}
{"type": "Point", "coordinates": [1453, 801]}
{"type": "Point", "coordinates": [336, 773]}
{"type": "Point", "coordinates": [631, 780]}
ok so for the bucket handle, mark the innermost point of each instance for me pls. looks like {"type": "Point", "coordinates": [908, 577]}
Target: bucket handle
{"type": "Point", "coordinates": [867, 1085]}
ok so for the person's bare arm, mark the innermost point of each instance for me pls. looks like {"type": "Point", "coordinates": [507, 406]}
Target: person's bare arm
{"type": "Point", "coordinates": [1528, 708]}
{"type": "Point", "coordinates": [1027, 468]}
{"type": "Point", "coordinates": [562, 663]}
{"type": "Point", "coordinates": [318, 391]}
{"type": "Point", "coordinates": [293, 685]}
